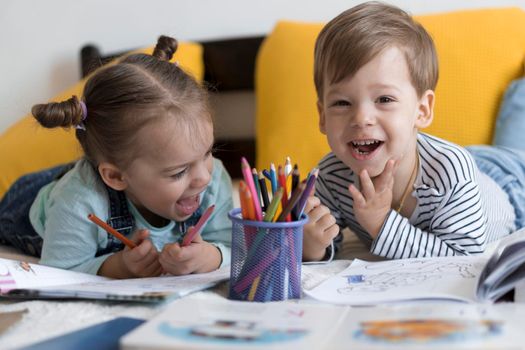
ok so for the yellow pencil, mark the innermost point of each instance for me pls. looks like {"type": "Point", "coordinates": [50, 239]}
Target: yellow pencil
{"type": "Point", "coordinates": [253, 289]}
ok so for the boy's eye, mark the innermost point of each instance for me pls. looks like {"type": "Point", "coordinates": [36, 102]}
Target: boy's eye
{"type": "Point", "coordinates": [341, 103]}
{"type": "Point", "coordinates": [180, 174]}
{"type": "Point", "coordinates": [385, 99]}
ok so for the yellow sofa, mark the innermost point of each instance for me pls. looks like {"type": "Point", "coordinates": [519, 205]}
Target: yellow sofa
{"type": "Point", "coordinates": [480, 53]}
{"type": "Point", "coordinates": [26, 147]}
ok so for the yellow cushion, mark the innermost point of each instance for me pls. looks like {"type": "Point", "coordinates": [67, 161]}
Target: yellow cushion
{"type": "Point", "coordinates": [480, 52]}
{"type": "Point", "coordinates": [27, 147]}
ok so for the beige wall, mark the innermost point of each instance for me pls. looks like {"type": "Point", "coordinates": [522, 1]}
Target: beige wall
{"type": "Point", "coordinates": [40, 40]}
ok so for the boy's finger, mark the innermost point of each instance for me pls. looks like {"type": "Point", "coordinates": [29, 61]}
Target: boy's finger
{"type": "Point", "coordinates": [386, 178]}
{"type": "Point", "coordinates": [367, 186]}
{"type": "Point", "coordinates": [317, 213]}
{"type": "Point", "coordinates": [356, 195]}
{"type": "Point", "coordinates": [311, 203]}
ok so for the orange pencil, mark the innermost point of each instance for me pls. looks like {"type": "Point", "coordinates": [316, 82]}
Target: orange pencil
{"type": "Point", "coordinates": [129, 243]}
{"type": "Point", "coordinates": [250, 209]}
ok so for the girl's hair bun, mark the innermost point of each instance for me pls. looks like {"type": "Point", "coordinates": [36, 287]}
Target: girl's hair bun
{"type": "Point", "coordinates": [59, 114]}
{"type": "Point", "coordinates": [165, 48]}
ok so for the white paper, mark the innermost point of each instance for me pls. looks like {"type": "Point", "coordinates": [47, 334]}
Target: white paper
{"type": "Point", "coordinates": [223, 324]}
{"type": "Point", "coordinates": [33, 281]}
{"type": "Point", "coordinates": [365, 283]}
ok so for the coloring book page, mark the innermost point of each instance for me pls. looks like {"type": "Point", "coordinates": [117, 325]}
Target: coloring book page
{"type": "Point", "coordinates": [403, 280]}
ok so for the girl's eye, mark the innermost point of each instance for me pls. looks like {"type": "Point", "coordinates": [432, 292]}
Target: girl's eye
{"type": "Point", "coordinates": [385, 99]}
{"type": "Point", "coordinates": [179, 175]}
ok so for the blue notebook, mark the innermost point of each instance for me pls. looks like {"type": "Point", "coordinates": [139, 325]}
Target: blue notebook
{"type": "Point", "coordinates": [102, 336]}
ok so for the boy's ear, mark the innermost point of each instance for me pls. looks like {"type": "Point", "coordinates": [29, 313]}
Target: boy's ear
{"type": "Point", "coordinates": [426, 110]}
{"type": "Point", "coordinates": [112, 176]}
{"type": "Point", "coordinates": [322, 126]}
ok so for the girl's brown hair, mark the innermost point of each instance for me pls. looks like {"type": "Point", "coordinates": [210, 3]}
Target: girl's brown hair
{"type": "Point", "coordinates": [357, 35]}
{"type": "Point", "coordinates": [124, 97]}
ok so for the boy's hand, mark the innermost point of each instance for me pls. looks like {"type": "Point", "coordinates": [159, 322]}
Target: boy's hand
{"type": "Point", "coordinates": [373, 203]}
{"type": "Point", "coordinates": [141, 261]}
{"type": "Point", "coordinates": [198, 257]}
{"type": "Point", "coordinates": [319, 231]}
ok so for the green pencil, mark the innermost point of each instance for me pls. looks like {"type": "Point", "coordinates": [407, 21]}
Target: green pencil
{"type": "Point", "coordinates": [274, 204]}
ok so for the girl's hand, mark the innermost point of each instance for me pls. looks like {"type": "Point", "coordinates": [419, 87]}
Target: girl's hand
{"type": "Point", "coordinates": [373, 203]}
{"type": "Point", "coordinates": [141, 261]}
{"type": "Point", "coordinates": [198, 257]}
{"type": "Point", "coordinates": [319, 231]}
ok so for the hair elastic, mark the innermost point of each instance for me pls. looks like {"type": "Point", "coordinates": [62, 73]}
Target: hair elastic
{"type": "Point", "coordinates": [81, 125]}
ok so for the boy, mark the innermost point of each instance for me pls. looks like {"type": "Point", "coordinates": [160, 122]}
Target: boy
{"type": "Point", "coordinates": [403, 193]}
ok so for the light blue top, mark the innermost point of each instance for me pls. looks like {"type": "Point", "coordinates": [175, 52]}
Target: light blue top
{"type": "Point", "coordinates": [71, 240]}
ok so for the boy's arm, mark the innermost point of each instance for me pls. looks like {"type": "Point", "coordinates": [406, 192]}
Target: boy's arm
{"type": "Point", "coordinates": [323, 192]}
{"type": "Point", "coordinates": [457, 227]}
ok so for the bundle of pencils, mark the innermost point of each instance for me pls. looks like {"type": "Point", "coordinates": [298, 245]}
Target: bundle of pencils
{"type": "Point", "coordinates": [266, 258]}
{"type": "Point", "coordinates": [288, 198]}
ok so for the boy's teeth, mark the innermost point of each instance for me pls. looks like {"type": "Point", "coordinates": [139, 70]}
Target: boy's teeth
{"type": "Point", "coordinates": [364, 142]}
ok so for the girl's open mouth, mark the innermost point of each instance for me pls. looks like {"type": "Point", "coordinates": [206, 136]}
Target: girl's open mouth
{"type": "Point", "coordinates": [188, 205]}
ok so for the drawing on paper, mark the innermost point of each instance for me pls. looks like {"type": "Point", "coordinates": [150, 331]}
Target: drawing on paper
{"type": "Point", "coordinates": [404, 274]}
{"type": "Point", "coordinates": [426, 331]}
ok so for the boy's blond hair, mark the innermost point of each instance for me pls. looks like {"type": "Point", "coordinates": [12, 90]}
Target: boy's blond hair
{"type": "Point", "coordinates": [357, 35]}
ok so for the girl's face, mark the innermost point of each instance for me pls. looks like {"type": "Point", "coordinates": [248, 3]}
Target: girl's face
{"type": "Point", "coordinates": [173, 169]}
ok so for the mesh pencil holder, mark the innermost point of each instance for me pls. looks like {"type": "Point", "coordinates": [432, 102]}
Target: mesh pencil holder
{"type": "Point", "coordinates": [266, 259]}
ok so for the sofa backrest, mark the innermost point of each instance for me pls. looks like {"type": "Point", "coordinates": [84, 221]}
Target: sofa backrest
{"type": "Point", "coordinates": [480, 52]}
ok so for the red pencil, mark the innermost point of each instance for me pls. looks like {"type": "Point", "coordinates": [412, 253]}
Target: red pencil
{"type": "Point", "coordinates": [194, 230]}
{"type": "Point", "coordinates": [129, 243]}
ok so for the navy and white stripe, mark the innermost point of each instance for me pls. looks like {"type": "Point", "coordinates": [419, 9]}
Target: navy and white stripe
{"type": "Point", "coordinates": [458, 208]}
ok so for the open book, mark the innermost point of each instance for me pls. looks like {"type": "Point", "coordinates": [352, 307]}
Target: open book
{"type": "Point", "coordinates": [24, 280]}
{"type": "Point", "coordinates": [199, 323]}
{"type": "Point", "coordinates": [485, 277]}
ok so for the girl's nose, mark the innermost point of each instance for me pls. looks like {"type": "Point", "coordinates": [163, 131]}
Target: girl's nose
{"type": "Point", "coordinates": [201, 175]}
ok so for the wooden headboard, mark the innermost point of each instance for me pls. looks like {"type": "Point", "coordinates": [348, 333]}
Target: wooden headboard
{"type": "Point", "coordinates": [229, 66]}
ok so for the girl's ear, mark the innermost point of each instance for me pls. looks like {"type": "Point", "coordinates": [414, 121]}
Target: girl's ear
{"type": "Point", "coordinates": [112, 176]}
{"type": "Point", "coordinates": [426, 110]}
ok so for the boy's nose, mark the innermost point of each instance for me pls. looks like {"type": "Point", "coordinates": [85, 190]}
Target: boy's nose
{"type": "Point", "coordinates": [363, 116]}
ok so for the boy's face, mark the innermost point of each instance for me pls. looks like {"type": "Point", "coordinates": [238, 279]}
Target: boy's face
{"type": "Point", "coordinates": [174, 168]}
{"type": "Point", "coordinates": [374, 116]}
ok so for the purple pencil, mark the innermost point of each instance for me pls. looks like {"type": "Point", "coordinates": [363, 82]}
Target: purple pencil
{"type": "Point", "coordinates": [301, 203]}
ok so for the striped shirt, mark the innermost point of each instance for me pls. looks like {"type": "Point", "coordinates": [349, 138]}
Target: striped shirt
{"type": "Point", "coordinates": [458, 209]}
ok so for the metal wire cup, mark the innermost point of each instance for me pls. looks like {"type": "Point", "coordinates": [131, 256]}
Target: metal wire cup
{"type": "Point", "coordinates": [266, 259]}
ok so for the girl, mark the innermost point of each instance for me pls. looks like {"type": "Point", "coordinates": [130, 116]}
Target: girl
{"type": "Point", "coordinates": [146, 131]}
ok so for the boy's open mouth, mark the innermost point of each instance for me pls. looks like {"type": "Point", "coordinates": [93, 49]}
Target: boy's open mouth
{"type": "Point", "coordinates": [364, 147]}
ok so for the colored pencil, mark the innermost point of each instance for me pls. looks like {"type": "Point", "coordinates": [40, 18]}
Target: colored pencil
{"type": "Point", "coordinates": [273, 176]}
{"type": "Point", "coordinates": [194, 230]}
{"type": "Point", "coordinates": [293, 201]}
{"type": "Point", "coordinates": [282, 183]}
{"type": "Point", "coordinates": [253, 289]}
{"type": "Point", "coordinates": [310, 182]}
{"type": "Point", "coordinates": [264, 191]}
{"type": "Point", "coordinates": [295, 177]}
{"type": "Point", "coordinates": [287, 167]}
{"type": "Point", "coordinates": [245, 192]}
{"type": "Point", "coordinates": [274, 204]}
{"type": "Point", "coordinates": [248, 177]}
{"type": "Point", "coordinates": [129, 243]}
{"type": "Point", "coordinates": [242, 198]}
{"type": "Point", "coordinates": [255, 176]}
